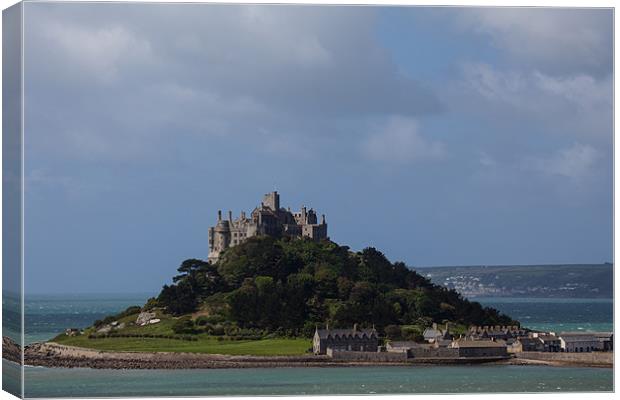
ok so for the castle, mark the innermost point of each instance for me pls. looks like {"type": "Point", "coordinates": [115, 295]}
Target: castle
{"type": "Point", "coordinates": [266, 219]}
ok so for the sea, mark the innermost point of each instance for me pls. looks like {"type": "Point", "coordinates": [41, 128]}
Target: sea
{"type": "Point", "coordinates": [48, 315]}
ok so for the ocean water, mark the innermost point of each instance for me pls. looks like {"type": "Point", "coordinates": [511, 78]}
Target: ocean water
{"type": "Point", "coordinates": [43, 382]}
{"type": "Point", "coordinates": [557, 315]}
{"type": "Point", "coordinates": [46, 316]}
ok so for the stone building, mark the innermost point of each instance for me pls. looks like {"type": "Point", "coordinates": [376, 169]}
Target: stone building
{"type": "Point", "coordinates": [530, 344]}
{"type": "Point", "coordinates": [267, 219]}
{"type": "Point", "coordinates": [551, 343]}
{"type": "Point", "coordinates": [580, 343]}
{"type": "Point", "coordinates": [345, 340]}
{"type": "Point", "coordinates": [480, 348]}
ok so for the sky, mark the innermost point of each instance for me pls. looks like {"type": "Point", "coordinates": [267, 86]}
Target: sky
{"type": "Point", "coordinates": [440, 136]}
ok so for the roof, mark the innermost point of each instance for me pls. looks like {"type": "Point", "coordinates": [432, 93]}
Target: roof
{"type": "Point", "coordinates": [528, 340]}
{"type": "Point", "coordinates": [548, 338]}
{"type": "Point", "coordinates": [346, 333]}
{"type": "Point", "coordinates": [597, 334]}
{"type": "Point", "coordinates": [478, 343]}
{"type": "Point", "coordinates": [430, 333]}
{"type": "Point", "coordinates": [579, 338]}
{"type": "Point", "coordinates": [408, 344]}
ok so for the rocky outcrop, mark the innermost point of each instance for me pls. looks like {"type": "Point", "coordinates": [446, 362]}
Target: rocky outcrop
{"type": "Point", "coordinates": [10, 350]}
{"type": "Point", "coordinates": [144, 317]}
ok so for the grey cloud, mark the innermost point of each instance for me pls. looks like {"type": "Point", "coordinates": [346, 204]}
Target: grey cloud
{"type": "Point", "coordinates": [303, 59]}
{"type": "Point", "coordinates": [553, 40]}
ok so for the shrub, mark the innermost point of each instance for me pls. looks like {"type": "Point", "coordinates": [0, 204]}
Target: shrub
{"type": "Point", "coordinates": [184, 325]}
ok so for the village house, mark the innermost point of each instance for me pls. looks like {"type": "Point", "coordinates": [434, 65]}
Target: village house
{"type": "Point", "coordinates": [580, 343]}
{"type": "Point", "coordinates": [606, 339]}
{"type": "Point", "coordinates": [437, 336]}
{"type": "Point", "coordinates": [550, 343]}
{"type": "Point", "coordinates": [530, 344]}
{"type": "Point", "coordinates": [480, 348]}
{"type": "Point", "coordinates": [403, 346]}
{"type": "Point", "coordinates": [513, 346]}
{"type": "Point", "coordinates": [345, 340]}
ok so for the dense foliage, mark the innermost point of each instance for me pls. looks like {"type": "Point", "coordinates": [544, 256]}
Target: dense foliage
{"type": "Point", "coordinates": [293, 284]}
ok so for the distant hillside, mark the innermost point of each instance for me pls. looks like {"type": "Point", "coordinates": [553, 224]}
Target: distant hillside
{"type": "Point", "coordinates": [546, 281]}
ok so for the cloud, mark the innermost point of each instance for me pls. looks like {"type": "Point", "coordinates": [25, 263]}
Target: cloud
{"type": "Point", "coordinates": [111, 71]}
{"type": "Point", "coordinates": [553, 40]}
{"type": "Point", "coordinates": [578, 105]}
{"type": "Point", "coordinates": [99, 54]}
{"type": "Point", "coordinates": [400, 142]}
{"type": "Point", "coordinates": [575, 162]}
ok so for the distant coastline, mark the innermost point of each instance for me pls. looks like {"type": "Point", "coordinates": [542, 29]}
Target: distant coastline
{"type": "Point", "coordinates": [534, 281]}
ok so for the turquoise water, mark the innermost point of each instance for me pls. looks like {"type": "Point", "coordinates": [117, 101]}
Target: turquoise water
{"type": "Point", "coordinates": [46, 316]}
{"type": "Point", "coordinates": [557, 315]}
{"type": "Point", "coordinates": [42, 382]}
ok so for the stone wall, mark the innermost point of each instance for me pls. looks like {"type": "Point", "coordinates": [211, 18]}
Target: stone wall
{"type": "Point", "coordinates": [367, 356]}
{"type": "Point", "coordinates": [598, 357]}
{"type": "Point", "coordinates": [440, 352]}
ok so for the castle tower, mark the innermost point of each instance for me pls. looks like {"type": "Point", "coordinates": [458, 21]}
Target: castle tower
{"type": "Point", "coordinates": [272, 200]}
{"type": "Point", "coordinates": [221, 239]}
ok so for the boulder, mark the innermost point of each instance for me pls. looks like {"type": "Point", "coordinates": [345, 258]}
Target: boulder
{"type": "Point", "coordinates": [144, 317]}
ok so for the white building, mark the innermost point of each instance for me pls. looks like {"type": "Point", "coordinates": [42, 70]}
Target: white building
{"type": "Point", "coordinates": [580, 342]}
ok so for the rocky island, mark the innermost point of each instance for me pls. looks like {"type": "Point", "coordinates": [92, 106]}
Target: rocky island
{"type": "Point", "coordinates": [276, 291]}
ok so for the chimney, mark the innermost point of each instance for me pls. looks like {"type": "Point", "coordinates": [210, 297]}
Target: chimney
{"type": "Point", "coordinates": [354, 327]}
{"type": "Point", "coordinates": [327, 325]}
{"type": "Point", "coordinates": [434, 325]}
{"type": "Point", "coordinates": [323, 219]}
{"type": "Point", "coordinates": [219, 215]}
{"type": "Point", "coordinates": [230, 216]}
{"type": "Point", "coordinates": [446, 327]}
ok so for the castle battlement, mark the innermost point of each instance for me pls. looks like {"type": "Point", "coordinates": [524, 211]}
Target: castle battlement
{"type": "Point", "coordinates": [267, 219]}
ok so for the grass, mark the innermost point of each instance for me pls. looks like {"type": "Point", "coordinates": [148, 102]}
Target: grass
{"type": "Point", "coordinates": [204, 344]}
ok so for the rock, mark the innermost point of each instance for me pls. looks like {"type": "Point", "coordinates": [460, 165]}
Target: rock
{"type": "Point", "coordinates": [144, 317]}
{"type": "Point", "coordinates": [105, 329]}
{"type": "Point", "coordinates": [121, 325]}
{"type": "Point", "coordinates": [72, 331]}
{"type": "Point", "coordinates": [154, 321]}
{"type": "Point", "coordinates": [10, 350]}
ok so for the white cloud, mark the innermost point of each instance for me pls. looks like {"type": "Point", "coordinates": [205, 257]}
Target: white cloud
{"type": "Point", "coordinates": [399, 141]}
{"type": "Point", "coordinates": [575, 162]}
{"type": "Point", "coordinates": [564, 41]}
{"type": "Point", "coordinates": [583, 90]}
{"type": "Point", "coordinates": [97, 52]}
{"type": "Point", "coordinates": [579, 105]}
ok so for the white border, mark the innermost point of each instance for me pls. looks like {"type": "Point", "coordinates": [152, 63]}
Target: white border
{"type": "Point", "coordinates": [483, 3]}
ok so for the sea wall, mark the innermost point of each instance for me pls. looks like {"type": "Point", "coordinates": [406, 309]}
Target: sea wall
{"type": "Point", "coordinates": [367, 356]}
{"type": "Point", "coordinates": [441, 352]}
{"type": "Point", "coordinates": [581, 358]}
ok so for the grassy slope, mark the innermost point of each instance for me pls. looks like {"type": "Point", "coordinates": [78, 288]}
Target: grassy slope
{"type": "Point", "coordinates": [205, 344]}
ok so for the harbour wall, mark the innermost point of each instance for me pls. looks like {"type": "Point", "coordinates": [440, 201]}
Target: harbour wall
{"type": "Point", "coordinates": [596, 357]}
